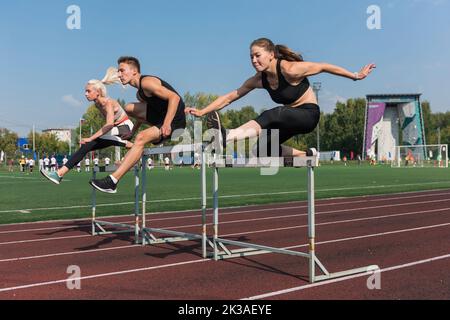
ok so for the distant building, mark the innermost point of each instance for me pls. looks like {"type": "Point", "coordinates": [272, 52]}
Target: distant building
{"type": "Point", "coordinates": [64, 135]}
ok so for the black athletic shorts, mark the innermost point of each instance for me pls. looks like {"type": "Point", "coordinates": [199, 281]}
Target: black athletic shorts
{"type": "Point", "coordinates": [156, 118]}
{"type": "Point", "coordinates": [290, 121]}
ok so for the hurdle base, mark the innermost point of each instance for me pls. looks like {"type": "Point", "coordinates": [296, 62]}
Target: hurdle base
{"type": "Point", "coordinates": [99, 225]}
{"type": "Point", "coordinates": [340, 274]}
{"type": "Point", "coordinates": [149, 238]}
{"type": "Point", "coordinates": [248, 249]}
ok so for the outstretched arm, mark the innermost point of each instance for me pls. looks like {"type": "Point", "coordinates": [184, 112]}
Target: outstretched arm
{"type": "Point", "coordinates": [304, 69]}
{"type": "Point", "coordinates": [225, 100]}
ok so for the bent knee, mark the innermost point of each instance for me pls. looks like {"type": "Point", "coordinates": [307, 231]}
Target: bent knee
{"type": "Point", "coordinates": [140, 140]}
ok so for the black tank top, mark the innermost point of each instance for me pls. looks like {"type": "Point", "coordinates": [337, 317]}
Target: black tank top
{"type": "Point", "coordinates": [285, 93]}
{"type": "Point", "coordinates": [156, 103]}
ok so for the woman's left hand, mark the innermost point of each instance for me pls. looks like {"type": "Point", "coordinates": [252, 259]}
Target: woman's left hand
{"type": "Point", "coordinates": [166, 130]}
{"type": "Point", "coordinates": [366, 70]}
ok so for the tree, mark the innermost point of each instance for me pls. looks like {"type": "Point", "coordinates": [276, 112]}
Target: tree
{"type": "Point", "coordinates": [48, 144]}
{"type": "Point", "coordinates": [8, 142]}
{"type": "Point", "coordinates": [198, 100]}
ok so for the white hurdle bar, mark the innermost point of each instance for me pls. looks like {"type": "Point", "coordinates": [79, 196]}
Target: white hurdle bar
{"type": "Point", "coordinates": [253, 249]}
{"type": "Point", "coordinates": [147, 233]}
{"type": "Point", "coordinates": [98, 226]}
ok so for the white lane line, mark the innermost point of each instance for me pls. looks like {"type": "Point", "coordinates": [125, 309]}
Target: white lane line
{"type": "Point", "coordinates": [220, 197]}
{"type": "Point", "coordinates": [317, 214]}
{"type": "Point", "coordinates": [312, 285]}
{"type": "Point", "coordinates": [68, 253]}
{"type": "Point", "coordinates": [101, 275]}
{"type": "Point", "coordinates": [242, 211]}
{"type": "Point", "coordinates": [246, 233]}
{"type": "Point", "coordinates": [207, 260]}
{"type": "Point", "coordinates": [337, 222]}
{"type": "Point", "coordinates": [44, 239]}
{"type": "Point", "coordinates": [269, 218]}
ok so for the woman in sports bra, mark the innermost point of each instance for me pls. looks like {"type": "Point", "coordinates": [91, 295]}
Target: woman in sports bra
{"type": "Point", "coordinates": [114, 132]}
{"type": "Point", "coordinates": [283, 73]}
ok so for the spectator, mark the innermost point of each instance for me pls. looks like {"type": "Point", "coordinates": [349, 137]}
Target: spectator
{"type": "Point", "coordinates": [10, 165]}
{"type": "Point", "coordinates": [150, 163]}
{"type": "Point", "coordinates": [64, 161]}
{"type": "Point", "coordinates": [53, 163]}
{"type": "Point", "coordinates": [22, 163]}
{"type": "Point", "coordinates": [31, 165]}
{"type": "Point", "coordinates": [96, 162]}
{"type": "Point", "coordinates": [167, 163]}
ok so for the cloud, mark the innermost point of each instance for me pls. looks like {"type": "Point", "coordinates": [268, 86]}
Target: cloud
{"type": "Point", "coordinates": [70, 100]}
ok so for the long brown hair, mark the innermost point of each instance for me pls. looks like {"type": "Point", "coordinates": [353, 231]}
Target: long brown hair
{"type": "Point", "coordinates": [281, 51]}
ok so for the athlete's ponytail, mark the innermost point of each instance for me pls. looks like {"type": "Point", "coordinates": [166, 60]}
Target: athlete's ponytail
{"type": "Point", "coordinates": [285, 53]}
{"type": "Point", "coordinates": [281, 51]}
{"type": "Point", "coordinates": [111, 77]}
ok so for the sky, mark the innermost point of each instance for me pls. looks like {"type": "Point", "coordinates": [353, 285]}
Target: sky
{"type": "Point", "coordinates": [203, 46]}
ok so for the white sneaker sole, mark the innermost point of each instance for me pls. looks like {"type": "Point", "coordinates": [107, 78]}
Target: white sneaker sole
{"type": "Point", "coordinates": [103, 190]}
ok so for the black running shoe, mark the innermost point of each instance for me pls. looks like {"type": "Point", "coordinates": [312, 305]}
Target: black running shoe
{"type": "Point", "coordinates": [104, 185]}
{"type": "Point", "coordinates": [213, 122]}
{"type": "Point", "coordinates": [311, 152]}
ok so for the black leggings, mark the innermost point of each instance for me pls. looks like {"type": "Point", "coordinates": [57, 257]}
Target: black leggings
{"type": "Point", "coordinates": [91, 146]}
{"type": "Point", "coordinates": [289, 121]}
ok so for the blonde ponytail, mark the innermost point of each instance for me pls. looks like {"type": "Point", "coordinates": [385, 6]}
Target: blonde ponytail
{"type": "Point", "coordinates": [111, 77]}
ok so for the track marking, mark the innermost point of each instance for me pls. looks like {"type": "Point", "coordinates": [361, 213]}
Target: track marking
{"type": "Point", "coordinates": [269, 218]}
{"type": "Point", "coordinates": [223, 197]}
{"type": "Point", "coordinates": [312, 285]}
{"type": "Point", "coordinates": [68, 253]}
{"type": "Point", "coordinates": [208, 260]}
{"type": "Point", "coordinates": [337, 222]}
{"type": "Point", "coordinates": [222, 214]}
{"type": "Point", "coordinates": [102, 275]}
{"type": "Point", "coordinates": [317, 214]}
{"type": "Point", "coordinates": [44, 239]}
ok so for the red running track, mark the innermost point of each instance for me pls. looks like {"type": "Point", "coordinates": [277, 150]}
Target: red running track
{"type": "Point", "coordinates": [407, 235]}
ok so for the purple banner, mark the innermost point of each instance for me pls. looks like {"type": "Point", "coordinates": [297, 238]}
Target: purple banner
{"type": "Point", "coordinates": [374, 115]}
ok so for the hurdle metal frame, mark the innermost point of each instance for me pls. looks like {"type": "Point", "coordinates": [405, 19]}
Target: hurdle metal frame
{"type": "Point", "coordinates": [253, 249]}
{"type": "Point", "coordinates": [148, 233]}
{"type": "Point", "coordinates": [99, 226]}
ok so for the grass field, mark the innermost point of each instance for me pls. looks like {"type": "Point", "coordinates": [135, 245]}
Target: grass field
{"type": "Point", "coordinates": [25, 198]}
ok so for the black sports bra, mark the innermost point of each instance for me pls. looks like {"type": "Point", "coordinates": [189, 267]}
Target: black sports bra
{"type": "Point", "coordinates": [285, 93]}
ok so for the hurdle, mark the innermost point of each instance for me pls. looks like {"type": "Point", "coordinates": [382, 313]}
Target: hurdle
{"type": "Point", "coordinates": [99, 226]}
{"type": "Point", "coordinates": [246, 249]}
{"type": "Point", "coordinates": [148, 233]}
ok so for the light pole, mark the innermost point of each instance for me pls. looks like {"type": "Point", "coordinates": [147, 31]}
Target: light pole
{"type": "Point", "coordinates": [439, 135]}
{"type": "Point", "coordinates": [316, 87]}
{"type": "Point", "coordinates": [81, 123]}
